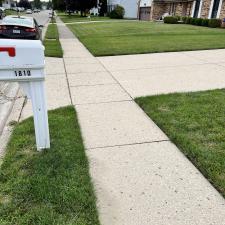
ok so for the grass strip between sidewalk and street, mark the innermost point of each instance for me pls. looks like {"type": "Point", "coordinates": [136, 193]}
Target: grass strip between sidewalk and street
{"type": "Point", "coordinates": [51, 42]}
{"type": "Point", "coordinates": [49, 187]}
{"type": "Point", "coordinates": [195, 123]}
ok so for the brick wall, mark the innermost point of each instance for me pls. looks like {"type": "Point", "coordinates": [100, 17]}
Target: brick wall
{"type": "Point", "coordinates": [222, 12]}
{"type": "Point", "coordinates": [158, 9]}
{"type": "Point", "coordinates": [180, 9]}
{"type": "Point", "coordinates": [189, 8]}
{"type": "Point", "coordinates": [205, 8]}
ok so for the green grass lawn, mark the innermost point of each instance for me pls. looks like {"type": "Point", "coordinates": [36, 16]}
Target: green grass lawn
{"type": "Point", "coordinates": [9, 12]}
{"type": "Point", "coordinates": [52, 45]}
{"type": "Point", "coordinates": [134, 37]}
{"type": "Point", "coordinates": [50, 187]}
{"type": "Point", "coordinates": [77, 18]}
{"type": "Point", "coordinates": [195, 123]}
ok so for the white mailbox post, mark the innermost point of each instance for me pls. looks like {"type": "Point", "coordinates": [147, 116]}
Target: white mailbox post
{"type": "Point", "coordinates": [23, 61]}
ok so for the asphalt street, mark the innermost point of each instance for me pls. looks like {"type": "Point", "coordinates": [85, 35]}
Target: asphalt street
{"type": "Point", "coordinates": [41, 17]}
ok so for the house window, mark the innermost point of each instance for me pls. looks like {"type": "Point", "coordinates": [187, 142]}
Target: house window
{"type": "Point", "coordinates": [215, 8]}
{"type": "Point", "coordinates": [197, 6]}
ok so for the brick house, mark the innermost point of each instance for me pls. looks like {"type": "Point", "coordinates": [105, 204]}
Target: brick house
{"type": "Point", "coordinates": [155, 9]}
{"type": "Point", "coordinates": [194, 8]}
{"type": "Point", "coordinates": [171, 7]}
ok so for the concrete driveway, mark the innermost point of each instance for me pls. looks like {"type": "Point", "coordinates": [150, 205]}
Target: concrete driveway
{"type": "Point", "coordinates": [152, 74]}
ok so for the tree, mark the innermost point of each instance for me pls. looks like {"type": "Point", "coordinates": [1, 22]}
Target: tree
{"type": "Point", "coordinates": [49, 5]}
{"type": "Point", "coordinates": [37, 4]}
{"type": "Point", "coordinates": [59, 4]}
{"type": "Point", "coordinates": [81, 5]}
{"type": "Point", "coordinates": [103, 7]}
{"type": "Point", "coordinates": [25, 4]}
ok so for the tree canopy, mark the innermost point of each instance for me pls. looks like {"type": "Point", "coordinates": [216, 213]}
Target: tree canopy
{"type": "Point", "coordinates": [25, 4]}
{"type": "Point", "coordinates": [37, 4]}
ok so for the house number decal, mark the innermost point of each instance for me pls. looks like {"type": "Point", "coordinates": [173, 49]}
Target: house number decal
{"type": "Point", "coordinates": [22, 73]}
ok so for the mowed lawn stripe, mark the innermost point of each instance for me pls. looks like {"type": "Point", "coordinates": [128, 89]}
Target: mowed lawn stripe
{"type": "Point", "coordinates": [51, 42]}
{"type": "Point", "coordinates": [134, 37]}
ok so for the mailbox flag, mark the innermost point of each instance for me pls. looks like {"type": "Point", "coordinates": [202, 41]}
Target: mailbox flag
{"type": "Point", "coordinates": [11, 51]}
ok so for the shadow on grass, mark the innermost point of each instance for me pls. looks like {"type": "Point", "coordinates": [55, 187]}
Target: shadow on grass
{"type": "Point", "coordinates": [52, 187]}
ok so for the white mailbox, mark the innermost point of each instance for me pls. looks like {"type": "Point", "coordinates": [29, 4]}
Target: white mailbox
{"type": "Point", "coordinates": [23, 61]}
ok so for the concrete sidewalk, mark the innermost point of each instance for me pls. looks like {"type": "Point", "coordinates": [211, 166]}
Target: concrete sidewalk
{"type": "Point", "coordinates": [140, 177]}
{"type": "Point", "coordinates": [152, 74]}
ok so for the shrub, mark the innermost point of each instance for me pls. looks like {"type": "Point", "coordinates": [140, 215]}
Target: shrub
{"type": "Point", "coordinates": [178, 18]}
{"type": "Point", "coordinates": [184, 18]}
{"type": "Point", "coordinates": [198, 21]}
{"type": "Point", "coordinates": [214, 23]}
{"type": "Point", "coordinates": [188, 20]}
{"type": "Point", "coordinates": [117, 13]}
{"type": "Point", "coordinates": [205, 22]}
{"type": "Point", "coordinates": [192, 21]}
{"type": "Point", "coordinates": [171, 19]}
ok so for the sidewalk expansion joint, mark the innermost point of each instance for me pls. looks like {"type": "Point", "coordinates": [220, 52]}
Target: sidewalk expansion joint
{"type": "Point", "coordinates": [91, 85]}
{"type": "Point", "coordinates": [162, 67]}
{"type": "Point", "coordinates": [98, 103]}
{"type": "Point", "coordinates": [67, 81]}
{"type": "Point", "coordinates": [80, 72]}
{"type": "Point", "coordinates": [135, 143]}
{"type": "Point", "coordinates": [115, 79]}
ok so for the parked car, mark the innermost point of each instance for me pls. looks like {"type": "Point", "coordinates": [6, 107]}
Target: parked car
{"type": "Point", "coordinates": [51, 14]}
{"type": "Point", "coordinates": [2, 13]}
{"type": "Point", "coordinates": [36, 10]}
{"type": "Point", "coordinates": [20, 27]}
{"type": "Point", "coordinates": [29, 11]}
{"type": "Point", "coordinates": [68, 11]}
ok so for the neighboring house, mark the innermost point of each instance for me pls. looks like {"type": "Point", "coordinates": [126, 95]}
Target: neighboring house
{"type": "Point", "coordinates": [209, 9]}
{"type": "Point", "coordinates": [7, 4]}
{"type": "Point", "coordinates": [95, 11]}
{"type": "Point", "coordinates": [171, 7]}
{"type": "Point", "coordinates": [130, 6]}
{"type": "Point", "coordinates": [194, 8]}
{"type": "Point", "coordinates": [155, 9]}
{"type": "Point", "coordinates": [145, 9]}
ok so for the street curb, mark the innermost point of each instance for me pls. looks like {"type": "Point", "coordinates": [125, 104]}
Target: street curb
{"type": "Point", "coordinates": [9, 93]}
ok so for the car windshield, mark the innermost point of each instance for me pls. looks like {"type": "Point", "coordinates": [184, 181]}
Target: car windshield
{"type": "Point", "coordinates": [19, 21]}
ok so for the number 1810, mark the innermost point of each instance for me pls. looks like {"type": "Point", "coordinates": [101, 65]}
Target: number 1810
{"type": "Point", "coordinates": [23, 73]}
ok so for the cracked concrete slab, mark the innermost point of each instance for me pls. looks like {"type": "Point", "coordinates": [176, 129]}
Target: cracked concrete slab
{"type": "Point", "coordinates": [93, 78]}
{"type": "Point", "coordinates": [210, 56]}
{"type": "Point", "coordinates": [98, 94]}
{"type": "Point", "coordinates": [155, 81]}
{"type": "Point", "coordinates": [154, 184]}
{"type": "Point", "coordinates": [54, 66]}
{"type": "Point", "coordinates": [144, 61]}
{"type": "Point", "coordinates": [116, 123]}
